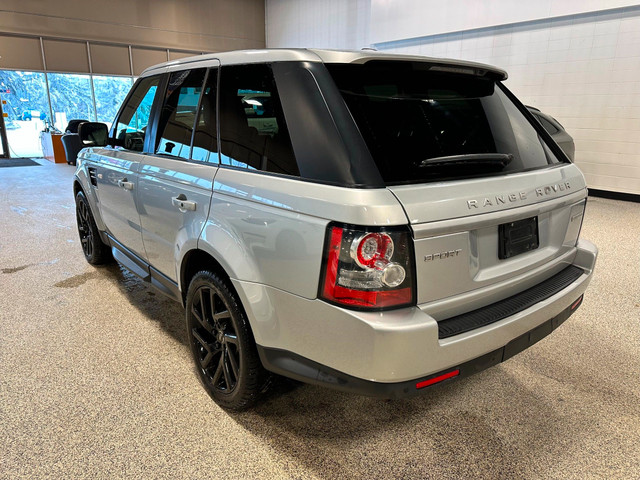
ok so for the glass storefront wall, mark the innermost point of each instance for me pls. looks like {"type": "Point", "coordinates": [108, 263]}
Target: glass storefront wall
{"type": "Point", "coordinates": [72, 97]}
{"type": "Point", "coordinates": [27, 110]}
{"type": "Point", "coordinates": [110, 92]}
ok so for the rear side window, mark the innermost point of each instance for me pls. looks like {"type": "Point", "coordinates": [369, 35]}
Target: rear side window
{"type": "Point", "coordinates": [178, 113]}
{"type": "Point", "coordinates": [253, 130]}
{"type": "Point", "coordinates": [131, 127]}
{"type": "Point", "coordinates": [429, 125]}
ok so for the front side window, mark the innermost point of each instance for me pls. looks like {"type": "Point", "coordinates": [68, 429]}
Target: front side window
{"type": "Point", "coordinates": [131, 128]}
{"type": "Point", "coordinates": [178, 113]}
{"type": "Point", "coordinates": [422, 124]}
{"type": "Point", "coordinates": [253, 130]}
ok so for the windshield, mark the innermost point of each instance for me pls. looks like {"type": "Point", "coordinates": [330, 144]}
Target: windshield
{"type": "Point", "coordinates": [408, 114]}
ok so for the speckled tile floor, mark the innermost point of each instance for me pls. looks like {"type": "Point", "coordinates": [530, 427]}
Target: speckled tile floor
{"type": "Point", "coordinates": [96, 380]}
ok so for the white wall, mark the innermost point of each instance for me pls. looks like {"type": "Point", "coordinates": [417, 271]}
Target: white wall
{"type": "Point", "coordinates": [582, 68]}
{"type": "Point", "coordinates": [401, 19]}
{"type": "Point", "coordinates": [318, 23]}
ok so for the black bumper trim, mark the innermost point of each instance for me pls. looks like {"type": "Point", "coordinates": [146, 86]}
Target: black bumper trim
{"type": "Point", "coordinates": [509, 306]}
{"type": "Point", "coordinates": [300, 368]}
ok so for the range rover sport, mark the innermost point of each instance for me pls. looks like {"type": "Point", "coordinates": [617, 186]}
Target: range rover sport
{"type": "Point", "coordinates": [369, 222]}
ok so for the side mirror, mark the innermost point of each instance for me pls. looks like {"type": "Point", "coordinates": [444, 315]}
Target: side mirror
{"type": "Point", "coordinates": [93, 134]}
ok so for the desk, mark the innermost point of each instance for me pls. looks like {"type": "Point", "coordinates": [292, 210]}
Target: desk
{"type": "Point", "coordinates": [52, 148]}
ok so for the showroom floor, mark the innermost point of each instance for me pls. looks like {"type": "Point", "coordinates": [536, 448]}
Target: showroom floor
{"type": "Point", "coordinates": [96, 380]}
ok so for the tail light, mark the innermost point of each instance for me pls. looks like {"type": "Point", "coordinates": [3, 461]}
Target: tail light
{"type": "Point", "coordinates": [368, 268]}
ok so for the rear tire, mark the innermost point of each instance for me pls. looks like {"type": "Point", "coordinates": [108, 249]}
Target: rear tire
{"type": "Point", "coordinates": [222, 344]}
{"type": "Point", "coordinates": [95, 251]}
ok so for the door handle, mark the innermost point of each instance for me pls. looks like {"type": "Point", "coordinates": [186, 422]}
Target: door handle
{"type": "Point", "coordinates": [182, 203]}
{"type": "Point", "coordinates": [124, 184]}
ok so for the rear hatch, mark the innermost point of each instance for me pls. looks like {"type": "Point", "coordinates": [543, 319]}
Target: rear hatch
{"type": "Point", "coordinates": [494, 204]}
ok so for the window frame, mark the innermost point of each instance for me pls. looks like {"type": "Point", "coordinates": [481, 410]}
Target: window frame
{"type": "Point", "coordinates": [217, 70]}
{"type": "Point", "coordinates": [161, 103]}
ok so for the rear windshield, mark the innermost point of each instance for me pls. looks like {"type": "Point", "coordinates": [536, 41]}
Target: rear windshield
{"type": "Point", "coordinates": [422, 125]}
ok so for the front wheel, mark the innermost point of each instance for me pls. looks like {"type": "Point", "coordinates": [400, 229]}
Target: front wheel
{"type": "Point", "coordinates": [95, 251]}
{"type": "Point", "coordinates": [222, 343]}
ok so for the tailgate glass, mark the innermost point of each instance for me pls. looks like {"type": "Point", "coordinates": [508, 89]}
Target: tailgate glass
{"type": "Point", "coordinates": [423, 125]}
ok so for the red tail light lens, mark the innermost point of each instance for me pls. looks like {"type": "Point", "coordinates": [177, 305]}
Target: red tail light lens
{"type": "Point", "coordinates": [368, 269]}
{"type": "Point", "coordinates": [371, 248]}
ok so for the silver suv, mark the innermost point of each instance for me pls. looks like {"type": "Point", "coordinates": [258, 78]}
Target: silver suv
{"type": "Point", "coordinates": [369, 222]}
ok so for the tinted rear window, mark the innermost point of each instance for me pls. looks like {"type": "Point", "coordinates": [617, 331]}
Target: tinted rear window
{"type": "Point", "coordinates": [253, 130]}
{"type": "Point", "coordinates": [409, 115]}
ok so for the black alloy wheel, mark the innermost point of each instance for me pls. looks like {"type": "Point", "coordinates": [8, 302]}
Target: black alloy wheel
{"type": "Point", "coordinates": [222, 344]}
{"type": "Point", "coordinates": [95, 251]}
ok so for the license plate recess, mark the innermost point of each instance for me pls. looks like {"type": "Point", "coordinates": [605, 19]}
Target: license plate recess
{"type": "Point", "coordinates": [518, 237]}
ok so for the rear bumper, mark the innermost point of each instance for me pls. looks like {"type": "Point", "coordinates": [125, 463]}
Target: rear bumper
{"type": "Point", "coordinates": [387, 353]}
{"type": "Point", "coordinates": [303, 369]}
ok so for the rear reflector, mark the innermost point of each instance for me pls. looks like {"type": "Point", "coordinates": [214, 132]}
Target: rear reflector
{"type": "Point", "coordinates": [577, 303]}
{"type": "Point", "coordinates": [438, 379]}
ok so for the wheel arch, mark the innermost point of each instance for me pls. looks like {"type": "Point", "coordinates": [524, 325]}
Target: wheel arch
{"type": "Point", "coordinates": [77, 187]}
{"type": "Point", "coordinates": [234, 267]}
{"type": "Point", "coordinates": [81, 184]}
{"type": "Point", "coordinates": [194, 261]}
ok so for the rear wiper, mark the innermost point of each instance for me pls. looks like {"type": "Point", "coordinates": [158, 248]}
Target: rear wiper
{"type": "Point", "coordinates": [491, 160]}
